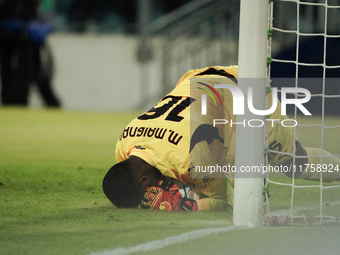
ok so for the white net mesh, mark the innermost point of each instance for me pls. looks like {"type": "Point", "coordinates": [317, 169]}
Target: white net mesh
{"type": "Point", "coordinates": [307, 36]}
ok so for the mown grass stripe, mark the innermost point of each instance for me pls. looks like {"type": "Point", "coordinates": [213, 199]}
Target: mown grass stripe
{"type": "Point", "coordinates": [158, 244]}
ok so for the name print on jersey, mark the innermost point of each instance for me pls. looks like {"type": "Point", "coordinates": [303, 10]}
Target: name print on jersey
{"type": "Point", "coordinates": [157, 133]}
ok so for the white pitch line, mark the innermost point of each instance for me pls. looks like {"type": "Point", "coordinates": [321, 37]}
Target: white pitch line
{"type": "Point", "coordinates": [158, 244]}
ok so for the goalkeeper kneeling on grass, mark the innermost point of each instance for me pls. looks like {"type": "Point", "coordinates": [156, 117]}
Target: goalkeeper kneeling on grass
{"type": "Point", "coordinates": [163, 155]}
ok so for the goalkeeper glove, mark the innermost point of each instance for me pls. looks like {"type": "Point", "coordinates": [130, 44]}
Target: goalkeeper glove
{"type": "Point", "coordinates": [167, 197]}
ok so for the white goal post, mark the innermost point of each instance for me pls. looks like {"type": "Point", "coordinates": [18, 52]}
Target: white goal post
{"type": "Point", "coordinates": [252, 59]}
{"type": "Point", "coordinates": [311, 203]}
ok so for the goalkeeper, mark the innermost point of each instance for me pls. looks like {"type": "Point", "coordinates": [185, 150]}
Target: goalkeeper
{"type": "Point", "coordinates": [159, 152]}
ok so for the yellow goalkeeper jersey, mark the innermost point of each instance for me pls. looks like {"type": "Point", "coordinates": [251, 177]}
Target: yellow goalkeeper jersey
{"type": "Point", "coordinates": [162, 137]}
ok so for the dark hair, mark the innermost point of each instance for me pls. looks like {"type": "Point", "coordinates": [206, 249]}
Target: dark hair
{"type": "Point", "coordinates": [121, 187]}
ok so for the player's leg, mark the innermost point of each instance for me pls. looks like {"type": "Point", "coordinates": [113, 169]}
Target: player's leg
{"type": "Point", "coordinates": [283, 140]}
{"type": "Point", "coordinates": [324, 163]}
{"type": "Point", "coordinates": [44, 72]}
{"type": "Point", "coordinates": [7, 52]}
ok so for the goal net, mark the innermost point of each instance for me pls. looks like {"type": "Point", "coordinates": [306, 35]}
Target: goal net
{"type": "Point", "coordinates": [304, 48]}
{"type": "Point", "coordinates": [295, 45]}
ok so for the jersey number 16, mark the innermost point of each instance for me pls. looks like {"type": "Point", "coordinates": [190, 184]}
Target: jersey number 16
{"type": "Point", "coordinates": [156, 112]}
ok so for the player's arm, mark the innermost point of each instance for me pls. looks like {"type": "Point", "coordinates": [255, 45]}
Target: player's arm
{"type": "Point", "coordinates": [282, 139]}
{"type": "Point", "coordinates": [213, 204]}
{"type": "Point", "coordinates": [215, 190]}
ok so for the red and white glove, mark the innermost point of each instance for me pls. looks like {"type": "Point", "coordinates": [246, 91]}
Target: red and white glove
{"type": "Point", "coordinates": [167, 197]}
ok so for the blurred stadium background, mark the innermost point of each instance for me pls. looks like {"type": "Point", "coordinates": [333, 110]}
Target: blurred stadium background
{"type": "Point", "coordinates": [124, 55]}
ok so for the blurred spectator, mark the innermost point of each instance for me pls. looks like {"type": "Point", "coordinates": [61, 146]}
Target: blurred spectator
{"type": "Point", "coordinates": [22, 42]}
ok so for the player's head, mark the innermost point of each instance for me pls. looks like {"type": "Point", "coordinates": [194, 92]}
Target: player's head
{"type": "Point", "coordinates": [125, 183]}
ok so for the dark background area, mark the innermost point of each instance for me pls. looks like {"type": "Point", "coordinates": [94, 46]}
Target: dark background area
{"type": "Point", "coordinates": [311, 50]}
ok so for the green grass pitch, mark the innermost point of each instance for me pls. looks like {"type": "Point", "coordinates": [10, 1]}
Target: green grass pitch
{"type": "Point", "coordinates": [51, 166]}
